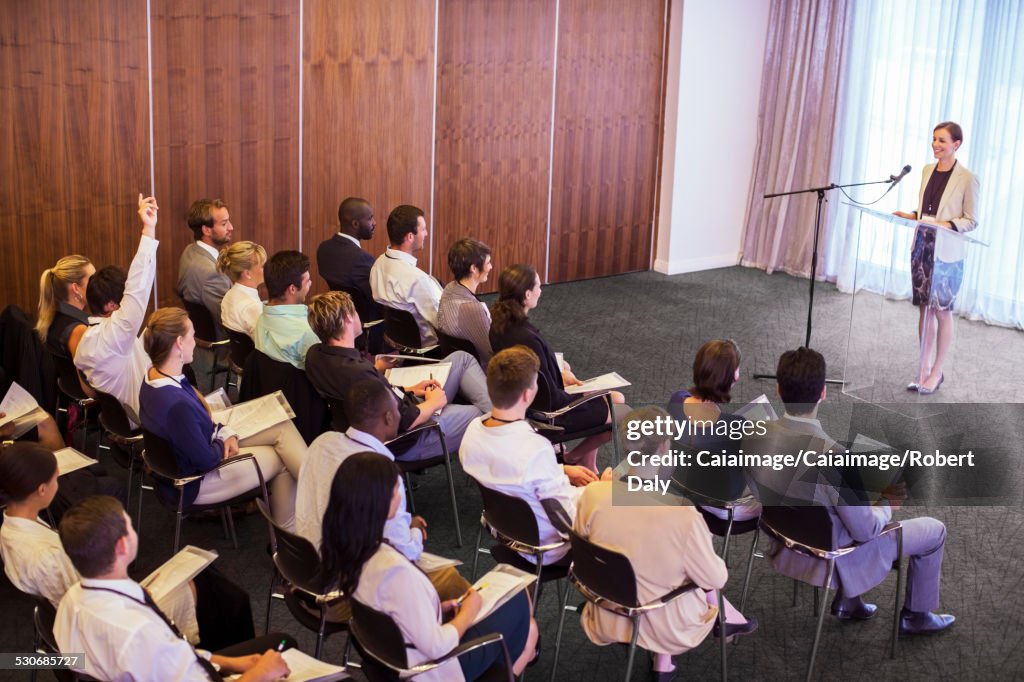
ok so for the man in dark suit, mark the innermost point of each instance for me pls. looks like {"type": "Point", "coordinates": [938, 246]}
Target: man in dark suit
{"type": "Point", "coordinates": [801, 385]}
{"type": "Point", "coordinates": [345, 266]}
{"type": "Point", "coordinates": [199, 281]}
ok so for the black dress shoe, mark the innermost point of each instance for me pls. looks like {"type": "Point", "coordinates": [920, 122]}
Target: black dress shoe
{"type": "Point", "coordinates": [852, 608]}
{"type": "Point", "coordinates": [734, 630]}
{"type": "Point", "coordinates": [928, 623]}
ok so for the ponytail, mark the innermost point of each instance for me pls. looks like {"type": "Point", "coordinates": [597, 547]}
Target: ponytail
{"type": "Point", "coordinates": [53, 288]}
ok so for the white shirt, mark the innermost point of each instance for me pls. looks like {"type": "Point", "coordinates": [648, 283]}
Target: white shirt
{"type": "Point", "coordinates": [35, 561]}
{"type": "Point", "coordinates": [515, 460]}
{"type": "Point", "coordinates": [208, 249]}
{"type": "Point", "coordinates": [397, 282]}
{"type": "Point", "coordinates": [240, 308]}
{"type": "Point", "coordinates": [391, 584]}
{"type": "Point", "coordinates": [123, 639]}
{"type": "Point", "coordinates": [326, 454]}
{"type": "Point", "coordinates": [350, 238]}
{"type": "Point", "coordinates": [110, 353]}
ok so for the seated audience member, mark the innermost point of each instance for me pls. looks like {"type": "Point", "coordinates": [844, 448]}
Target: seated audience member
{"type": "Point", "coordinates": [173, 410]}
{"type": "Point", "coordinates": [63, 309]}
{"type": "Point", "coordinates": [716, 369]}
{"type": "Point", "coordinates": [801, 385]}
{"type": "Point", "coordinates": [366, 493]}
{"type": "Point", "coordinates": [460, 313]}
{"type": "Point", "coordinates": [109, 352]}
{"type": "Point", "coordinates": [198, 278]}
{"type": "Point", "coordinates": [502, 451]}
{"type": "Point", "coordinates": [113, 620]}
{"type": "Point", "coordinates": [36, 564]}
{"type": "Point", "coordinates": [373, 417]}
{"type": "Point", "coordinates": [519, 292]}
{"type": "Point", "coordinates": [243, 263]}
{"type": "Point", "coordinates": [282, 332]}
{"type": "Point", "coordinates": [345, 266]}
{"type": "Point", "coordinates": [335, 365]}
{"type": "Point", "coordinates": [667, 543]}
{"type": "Point", "coordinates": [45, 432]}
{"type": "Point", "coordinates": [395, 279]}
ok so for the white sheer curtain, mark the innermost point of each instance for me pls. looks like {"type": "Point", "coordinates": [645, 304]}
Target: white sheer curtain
{"type": "Point", "coordinates": [912, 64]}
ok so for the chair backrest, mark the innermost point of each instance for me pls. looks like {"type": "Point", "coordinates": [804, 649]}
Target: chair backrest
{"type": "Point", "coordinates": [510, 516]}
{"type": "Point", "coordinates": [296, 557]}
{"type": "Point", "coordinates": [264, 375]}
{"type": "Point", "coordinates": [400, 328]}
{"type": "Point", "coordinates": [43, 618]}
{"type": "Point", "coordinates": [605, 572]}
{"type": "Point", "coordinates": [450, 344]}
{"type": "Point", "coordinates": [712, 485]}
{"type": "Point", "coordinates": [67, 375]}
{"type": "Point", "coordinates": [368, 309]}
{"type": "Point", "coordinates": [543, 399]}
{"type": "Point", "coordinates": [160, 456]}
{"type": "Point", "coordinates": [202, 320]}
{"type": "Point", "coordinates": [113, 415]}
{"type": "Point", "coordinates": [810, 525]}
{"type": "Point", "coordinates": [241, 346]}
{"type": "Point", "coordinates": [379, 635]}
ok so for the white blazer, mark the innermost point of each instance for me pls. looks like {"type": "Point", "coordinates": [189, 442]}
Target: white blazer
{"type": "Point", "coordinates": [958, 205]}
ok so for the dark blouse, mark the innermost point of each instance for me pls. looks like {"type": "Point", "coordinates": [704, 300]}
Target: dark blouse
{"type": "Point", "coordinates": [933, 191]}
{"type": "Point", "coordinates": [588, 415]}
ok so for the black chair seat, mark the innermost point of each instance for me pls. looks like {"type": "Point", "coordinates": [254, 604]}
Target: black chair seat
{"type": "Point", "coordinates": [299, 604]}
{"type": "Point", "coordinates": [506, 555]}
{"type": "Point", "coordinates": [719, 526]}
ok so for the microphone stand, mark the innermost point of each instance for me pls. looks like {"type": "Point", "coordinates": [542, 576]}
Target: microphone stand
{"type": "Point", "coordinates": [820, 191]}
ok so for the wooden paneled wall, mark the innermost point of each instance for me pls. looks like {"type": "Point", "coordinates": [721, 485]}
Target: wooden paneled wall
{"type": "Point", "coordinates": [368, 103]}
{"type": "Point", "coordinates": [532, 125]}
{"type": "Point", "coordinates": [75, 135]}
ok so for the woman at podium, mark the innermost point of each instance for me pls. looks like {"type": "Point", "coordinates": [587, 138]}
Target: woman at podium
{"type": "Point", "coordinates": [947, 201]}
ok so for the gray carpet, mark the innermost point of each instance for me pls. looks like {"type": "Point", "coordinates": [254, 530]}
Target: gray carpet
{"type": "Point", "coordinates": [647, 327]}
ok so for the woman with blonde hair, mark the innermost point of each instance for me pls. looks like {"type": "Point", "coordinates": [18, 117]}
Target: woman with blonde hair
{"type": "Point", "coordinates": [63, 311]}
{"type": "Point", "coordinates": [173, 410]}
{"type": "Point", "coordinates": [243, 263]}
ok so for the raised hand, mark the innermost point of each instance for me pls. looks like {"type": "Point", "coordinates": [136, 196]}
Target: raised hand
{"type": "Point", "coordinates": [147, 214]}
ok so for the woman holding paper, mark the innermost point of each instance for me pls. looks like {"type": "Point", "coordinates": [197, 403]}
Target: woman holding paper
{"type": "Point", "coordinates": [173, 410]}
{"type": "Point", "coordinates": [948, 200]}
{"type": "Point", "coordinates": [33, 556]}
{"type": "Point", "coordinates": [519, 292]}
{"type": "Point", "coordinates": [364, 495]}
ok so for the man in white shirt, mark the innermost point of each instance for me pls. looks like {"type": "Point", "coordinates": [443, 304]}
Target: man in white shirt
{"type": "Point", "coordinates": [113, 621]}
{"type": "Point", "coordinates": [395, 279]}
{"type": "Point", "coordinates": [199, 281]}
{"type": "Point", "coordinates": [502, 451]}
{"type": "Point", "coordinates": [372, 413]}
{"type": "Point", "coordinates": [110, 352]}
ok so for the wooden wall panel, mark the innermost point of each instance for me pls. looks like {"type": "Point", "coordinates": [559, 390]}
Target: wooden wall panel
{"type": "Point", "coordinates": [368, 96]}
{"type": "Point", "coordinates": [495, 70]}
{"type": "Point", "coordinates": [225, 116]}
{"type": "Point", "coordinates": [74, 137]}
{"type": "Point", "coordinates": [607, 123]}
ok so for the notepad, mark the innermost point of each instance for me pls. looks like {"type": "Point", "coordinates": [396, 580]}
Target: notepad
{"type": "Point", "coordinates": [22, 409]}
{"type": "Point", "coordinates": [498, 586]}
{"type": "Point", "coordinates": [305, 668]}
{"type": "Point", "coordinates": [605, 382]}
{"type": "Point", "coordinates": [428, 563]}
{"type": "Point", "coordinates": [758, 409]}
{"type": "Point", "coordinates": [69, 459]}
{"type": "Point", "coordinates": [177, 571]}
{"type": "Point", "coordinates": [410, 376]}
{"type": "Point", "coordinates": [249, 418]}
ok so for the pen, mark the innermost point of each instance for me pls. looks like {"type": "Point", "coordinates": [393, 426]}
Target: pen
{"type": "Point", "coordinates": [458, 602]}
{"type": "Point", "coordinates": [280, 647]}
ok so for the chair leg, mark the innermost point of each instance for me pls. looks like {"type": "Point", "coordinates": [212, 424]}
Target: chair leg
{"type": "Point", "coordinates": [476, 552]}
{"type": "Point", "coordinates": [558, 636]}
{"type": "Point", "coordinates": [231, 527]}
{"type": "Point", "coordinates": [177, 533]}
{"type": "Point", "coordinates": [131, 479]}
{"type": "Point", "coordinates": [632, 646]}
{"type": "Point", "coordinates": [455, 504]}
{"type": "Point", "coordinates": [821, 619]}
{"type": "Point", "coordinates": [817, 598]}
{"type": "Point", "coordinates": [270, 600]}
{"type": "Point", "coordinates": [750, 566]}
{"type": "Point", "coordinates": [722, 641]}
{"type": "Point", "coordinates": [408, 489]}
{"type": "Point", "coordinates": [725, 541]}
{"type": "Point", "coordinates": [320, 632]}
{"type": "Point", "coordinates": [899, 587]}
{"type": "Point", "coordinates": [536, 584]}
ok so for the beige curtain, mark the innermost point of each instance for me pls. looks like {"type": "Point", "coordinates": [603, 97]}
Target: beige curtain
{"type": "Point", "coordinates": [797, 116]}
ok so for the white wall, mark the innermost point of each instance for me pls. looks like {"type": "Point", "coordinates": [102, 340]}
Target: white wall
{"type": "Point", "coordinates": [716, 52]}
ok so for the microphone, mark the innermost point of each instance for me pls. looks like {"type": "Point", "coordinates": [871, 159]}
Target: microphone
{"type": "Point", "coordinates": [894, 179]}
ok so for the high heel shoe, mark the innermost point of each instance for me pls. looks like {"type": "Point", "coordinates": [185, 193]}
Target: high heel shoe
{"type": "Point", "coordinates": [924, 390]}
{"type": "Point", "coordinates": [913, 386]}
